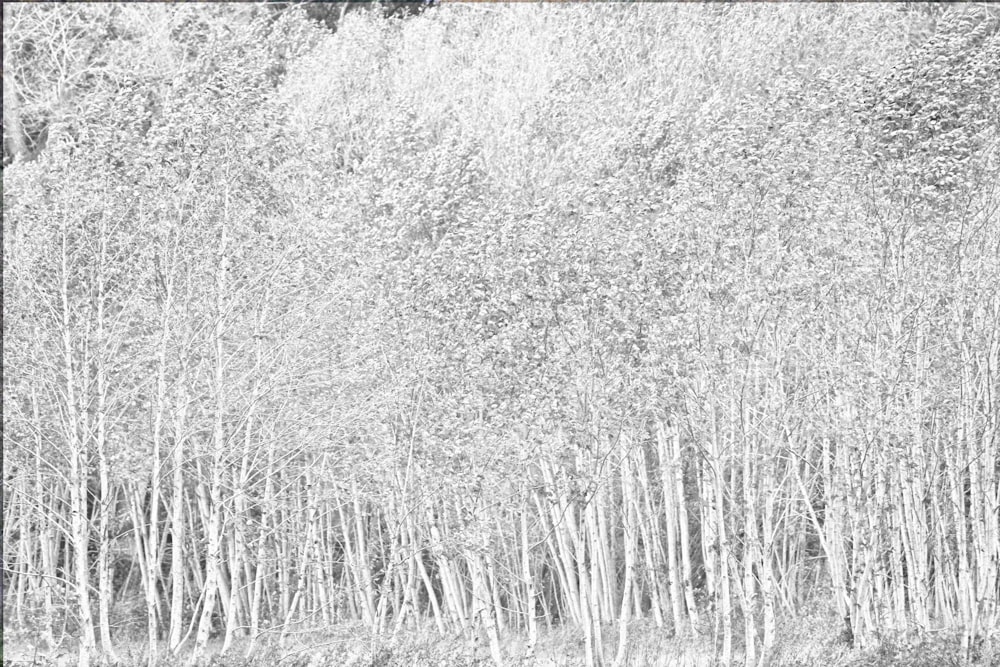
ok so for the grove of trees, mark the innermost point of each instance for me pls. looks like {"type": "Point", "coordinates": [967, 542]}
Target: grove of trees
{"type": "Point", "coordinates": [499, 319]}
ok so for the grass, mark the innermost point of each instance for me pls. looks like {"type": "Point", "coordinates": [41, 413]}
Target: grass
{"type": "Point", "coordinates": [808, 641]}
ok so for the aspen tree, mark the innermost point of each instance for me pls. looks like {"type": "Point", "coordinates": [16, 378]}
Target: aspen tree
{"type": "Point", "coordinates": [750, 555]}
{"type": "Point", "coordinates": [631, 543]}
{"type": "Point", "coordinates": [718, 494]}
{"type": "Point", "coordinates": [177, 523]}
{"type": "Point", "coordinates": [107, 495]}
{"type": "Point", "coordinates": [671, 512]}
{"type": "Point", "coordinates": [609, 569]}
{"type": "Point", "coordinates": [79, 467]}
{"type": "Point", "coordinates": [46, 539]}
{"type": "Point", "coordinates": [531, 621]}
{"type": "Point", "coordinates": [683, 521]}
{"type": "Point", "coordinates": [238, 539]}
{"type": "Point", "coordinates": [160, 409]}
{"type": "Point", "coordinates": [213, 558]}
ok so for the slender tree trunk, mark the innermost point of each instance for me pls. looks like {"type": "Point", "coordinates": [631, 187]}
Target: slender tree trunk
{"type": "Point", "coordinates": [767, 583]}
{"type": "Point", "coordinates": [555, 550]}
{"type": "Point", "coordinates": [606, 546]}
{"type": "Point", "coordinates": [631, 537]}
{"type": "Point", "coordinates": [529, 580]}
{"type": "Point", "coordinates": [651, 542]}
{"type": "Point", "coordinates": [153, 538]}
{"type": "Point", "coordinates": [498, 608]}
{"type": "Point", "coordinates": [262, 538]}
{"type": "Point", "coordinates": [559, 526]}
{"type": "Point", "coordinates": [749, 547]}
{"type": "Point", "coordinates": [240, 481]}
{"type": "Point", "coordinates": [725, 596]}
{"type": "Point", "coordinates": [685, 544]}
{"type": "Point", "coordinates": [361, 558]}
{"type": "Point", "coordinates": [177, 531]}
{"type": "Point", "coordinates": [106, 499]}
{"type": "Point", "coordinates": [482, 605]}
{"type": "Point", "coordinates": [439, 618]}
{"type": "Point", "coordinates": [594, 551]}
{"type": "Point", "coordinates": [46, 540]}
{"type": "Point", "coordinates": [667, 477]}
{"type": "Point", "coordinates": [213, 564]}
{"type": "Point", "coordinates": [78, 474]}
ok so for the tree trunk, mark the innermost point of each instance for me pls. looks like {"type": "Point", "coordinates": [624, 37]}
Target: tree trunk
{"type": "Point", "coordinates": [177, 532]}
{"type": "Point", "coordinates": [631, 537]}
{"type": "Point", "coordinates": [526, 575]}
{"type": "Point", "coordinates": [213, 561]}
{"type": "Point", "coordinates": [78, 475]}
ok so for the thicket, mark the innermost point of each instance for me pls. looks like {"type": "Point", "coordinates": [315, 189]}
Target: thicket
{"type": "Point", "coordinates": [501, 320]}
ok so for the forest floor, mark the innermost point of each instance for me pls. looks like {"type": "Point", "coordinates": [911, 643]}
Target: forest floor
{"type": "Point", "coordinates": [812, 641]}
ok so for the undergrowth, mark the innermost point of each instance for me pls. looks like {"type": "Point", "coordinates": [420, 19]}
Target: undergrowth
{"type": "Point", "coordinates": [806, 642]}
